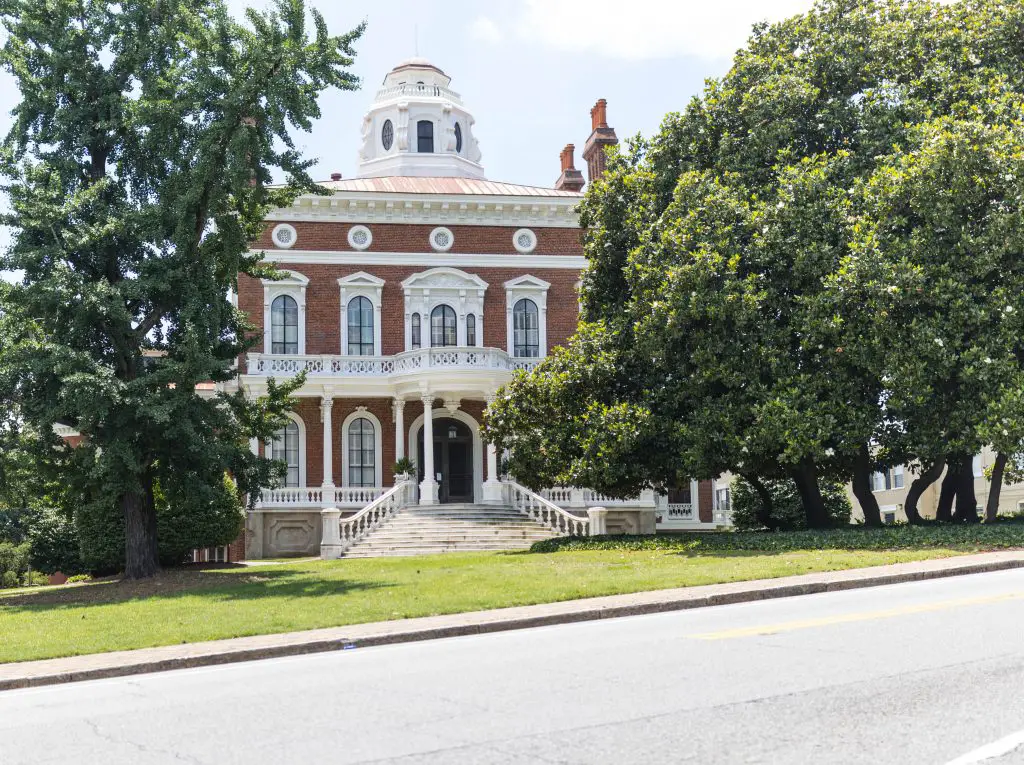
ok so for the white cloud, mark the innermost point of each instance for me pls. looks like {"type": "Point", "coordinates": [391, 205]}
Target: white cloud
{"type": "Point", "coordinates": [485, 30]}
{"type": "Point", "coordinates": [646, 29]}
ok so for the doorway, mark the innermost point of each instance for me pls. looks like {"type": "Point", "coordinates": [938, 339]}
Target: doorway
{"type": "Point", "coordinates": [453, 460]}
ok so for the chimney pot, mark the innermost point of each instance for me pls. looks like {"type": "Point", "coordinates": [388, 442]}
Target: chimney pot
{"type": "Point", "coordinates": [335, 176]}
{"type": "Point", "coordinates": [599, 115]}
{"type": "Point", "coordinates": [568, 161]}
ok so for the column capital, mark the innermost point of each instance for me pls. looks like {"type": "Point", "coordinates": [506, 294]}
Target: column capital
{"type": "Point", "coordinates": [427, 399]}
{"type": "Point", "coordinates": [397, 404]}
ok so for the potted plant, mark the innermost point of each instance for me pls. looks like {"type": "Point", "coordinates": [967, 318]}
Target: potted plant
{"type": "Point", "coordinates": [404, 469]}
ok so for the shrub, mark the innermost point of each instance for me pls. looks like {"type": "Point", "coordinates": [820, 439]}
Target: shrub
{"type": "Point", "coordinates": [13, 564]}
{"type": "Point", "coordinates": [99, 526]}
{"type": "Point", "coordinates": [787, 510]}
{"type": "Point", "coordinates": [55, 545]}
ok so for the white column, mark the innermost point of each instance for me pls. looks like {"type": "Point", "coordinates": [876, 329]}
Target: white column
{"type": "Point", "coordinates": [326, 404]}
{"type": "Point", "coordinates": [398, 410]}
{"type": "Point", "coordinates": [493, 490]}
{"type": "Point", "coordinates": [428, 488]}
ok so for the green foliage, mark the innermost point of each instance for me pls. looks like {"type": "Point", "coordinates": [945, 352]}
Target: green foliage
{"type": "Point", "coordinates": [54, 544]}
{"type": "Point", "coordinates": [1001, 535]}
{"type": "Point", "coordinates": [188, 518]}
{"type": "Point", "coordinates": [138, 167]}
{"type": "Point", "coordinates": [404, 466]}
{"type": "Point", "coordinates": [13, 564]}
{"type": "Point", "coordinates": [817, 260]}
{"type": "Point", "coordinates": [787, 509]}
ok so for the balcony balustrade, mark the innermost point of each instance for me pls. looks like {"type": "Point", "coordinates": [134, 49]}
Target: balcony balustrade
{"type": "Point", "coordinates": [409, 362]}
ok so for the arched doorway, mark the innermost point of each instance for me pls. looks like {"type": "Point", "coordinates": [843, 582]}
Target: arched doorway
{"type": "Point", "coordinates": [453, 460]}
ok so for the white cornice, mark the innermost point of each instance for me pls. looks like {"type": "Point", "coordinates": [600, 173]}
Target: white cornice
{"type": "Point", "coordinates": [429, 259]}
{"type": "Point", "coordinates": [433, 209]}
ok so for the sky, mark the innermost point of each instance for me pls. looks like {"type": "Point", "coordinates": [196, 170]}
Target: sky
{"type": "Point", "coordinates": [528, 70]}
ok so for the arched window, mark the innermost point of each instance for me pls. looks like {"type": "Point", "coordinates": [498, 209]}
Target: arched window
{"type": "Point", "coordinates": [443, 327]}
{"type": "Point", "coordinates": [425, 137]}
{"type": "Point", "coordinates": [361, 453]}
{"type": "Point", "coordinates": [471, 329]}
{"type": "Point", "coordinates": [387, 135]}
{"type": "Point", "coordinates": [458, 138]}
{"type": "Point", "coordinates": [360, 327]}
{"type": "Point", "coordinates": [417, 339]}
{"type": "Point", "coordinates": [284, 325]}
{"type": "Point", "coordinates": [285, 447]}
{"type": "Point", "coordinates": [526, 329]}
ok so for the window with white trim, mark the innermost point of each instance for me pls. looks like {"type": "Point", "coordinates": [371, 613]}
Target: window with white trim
{"type": "Point", "coordinates": [525, 329]}
{"type": "Point", "coordinates": [897, 477]}
{"type": "Point", "coordinates": [360, 327]}
{"type": "Point", "coordinates": [526, 308]}
{"type": "Point", "coordinates": [362, 468]}
{"type": "Point", "coordinates": [360, 296]}
{"type": "Point", "coordinates": [444, 329]}
{"type": "Point", "coordinates": [417, 331]}
{"type": "Point", "coordinates": [284, 314]}
{"type": "Point", "coordinates": [285, 447]}
{"type": "Point", "coordinates": [284, 325]}
{"type": "Point", "coordinates": [471, 329]}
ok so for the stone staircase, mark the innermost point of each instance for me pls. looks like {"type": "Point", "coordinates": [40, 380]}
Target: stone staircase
{"type": "Point", "coordinates": [424, 530]}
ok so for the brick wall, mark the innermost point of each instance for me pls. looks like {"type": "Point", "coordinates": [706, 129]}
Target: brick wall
{"type": "Point", "coordinates": [705, 502]}
{"type": "Point", "coordinates": [323, 304]}
{"type": "Point", "coordinates": [414, 237]}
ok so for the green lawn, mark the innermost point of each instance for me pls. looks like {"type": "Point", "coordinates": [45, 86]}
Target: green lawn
{"type": "Point", "coordinates": [204, 604]}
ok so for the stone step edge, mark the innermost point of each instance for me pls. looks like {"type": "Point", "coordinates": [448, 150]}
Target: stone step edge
{"type": "Point", "coordinates": [216, 652]}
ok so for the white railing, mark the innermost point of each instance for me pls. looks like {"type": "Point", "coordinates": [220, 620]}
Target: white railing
{"type": "Point", "coordinates": [318, 497]}
{"type": "Point", "coordinates": [386, 506]}
{"type": "Point", "coordinates": [563, 495]}
{"type": "Point", "coordinates": [416, 89]}
{"type": "Point", "coordinates": [544, 511]}
{"type": "Point", "coordinates": [459, 358]}
{"type": "Point", "coordinates": [679, 511]}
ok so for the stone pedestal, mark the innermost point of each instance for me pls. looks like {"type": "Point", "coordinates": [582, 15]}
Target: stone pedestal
{"type": "Point", "coordinates": [330, 541]}
{"type": "Point", "coordinates": [621, 520]}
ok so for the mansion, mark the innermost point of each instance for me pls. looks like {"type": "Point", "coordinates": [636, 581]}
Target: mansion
{"type": "Point", "coordinates": [412, 293]}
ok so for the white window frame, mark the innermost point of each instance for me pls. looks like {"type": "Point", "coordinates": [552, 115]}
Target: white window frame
{"type": "Point", "coordinates": [378, 445]}
{"type": "Point", "coordinates": [294, 286]}
{"type": "Point", "coordinates": [528, 248]}
{"type": "Point", "coordinates": [531, 288]}
{"type": "Point", "coordinates": [462, 291]}
{"type": "Point", "coordinates": [360, 284]}
{"type": "Point", "coordinates": [286, 228]}
{"type": "Point", "coordinates": [899, 471]}
{"type": "Point", "coordinates": [437, 232]}
{"type": "Point", "coordinates": [351, 237]}
{"type": "Point", "coordinates": [268, 447]}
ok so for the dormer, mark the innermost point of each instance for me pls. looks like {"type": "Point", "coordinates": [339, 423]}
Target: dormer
{"type": "Point", "coordinates": [418, 126]}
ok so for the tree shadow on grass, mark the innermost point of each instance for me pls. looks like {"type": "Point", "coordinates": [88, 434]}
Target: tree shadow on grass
{"type": "Point", "coordinates": [219, 584]}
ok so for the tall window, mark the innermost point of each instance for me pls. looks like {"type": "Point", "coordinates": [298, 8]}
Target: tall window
{"type": "Point", "coordinates": [417, 339]}
{"type": "Point", "coordinates": [526, 329]}
{"type": "Point", "coordinates": [284, 325]}
{"type": "Point", "coordinates": [471, 329]}
{"type": "Point", "coordinates": [361, 468]}
{"type": "Point", "coordinates": [360, 327]}
{"type": "Point", "coordinates": [425, 137]}
{"type": "Point", "coordinates": [443, 327]}
{"type": "Point", "coordinates": [458, 138]}
{"type": "Point", "coordinates": [285, 447]}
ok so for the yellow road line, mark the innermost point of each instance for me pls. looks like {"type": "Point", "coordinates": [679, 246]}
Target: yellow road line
{"type": "Point", "coordinates": [864, 616]}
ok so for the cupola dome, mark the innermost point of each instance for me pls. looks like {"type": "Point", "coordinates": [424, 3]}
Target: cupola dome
{"type": "Point", "coordinates": [418, 126]}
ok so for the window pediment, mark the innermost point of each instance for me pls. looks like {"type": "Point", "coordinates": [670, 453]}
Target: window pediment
{"type": "Point", "coordinates": [445, 278]}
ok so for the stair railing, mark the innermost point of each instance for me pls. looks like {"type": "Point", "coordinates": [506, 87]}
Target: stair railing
{"type": "Point", "coordinates": [547, 513]}
{"type": "Point", "coordinates": [357, 527]}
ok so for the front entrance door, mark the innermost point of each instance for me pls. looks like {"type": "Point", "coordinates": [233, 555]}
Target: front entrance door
{"type": "Point", "coordinates": [453, 460]}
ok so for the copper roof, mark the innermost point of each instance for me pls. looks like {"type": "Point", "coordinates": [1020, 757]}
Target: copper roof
{"type": "Point", "coordinates": [404, 184]}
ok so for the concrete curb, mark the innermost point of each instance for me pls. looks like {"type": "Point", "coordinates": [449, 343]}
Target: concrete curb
{"type": "Point", "coordinates": [164, 658]}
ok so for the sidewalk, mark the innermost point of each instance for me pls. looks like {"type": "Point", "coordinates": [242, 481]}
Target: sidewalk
{"type": "Point", "coordinates": [96, 666]}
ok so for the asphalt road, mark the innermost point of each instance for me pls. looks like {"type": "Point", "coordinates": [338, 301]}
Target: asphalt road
{"type": "Point", "coordinates": [930, 672]}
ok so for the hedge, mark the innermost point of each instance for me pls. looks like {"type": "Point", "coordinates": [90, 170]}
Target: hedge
{"type": "Point", "coordinates": [13, 564]}
{"type": "Point", "coordinates": [1005, 534]}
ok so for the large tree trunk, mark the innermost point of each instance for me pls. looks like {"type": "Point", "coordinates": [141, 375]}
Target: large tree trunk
{"type": "Point", "coordinates": [966, 499]}
{"type": "Point", "coordinates": [944, 511]}
{"type": "Point", "coordinates": [140, 549]}
{"type": "Point", "coordinates": [917, 488]}
{"type": "Point", "coordinates": [765, 515]}
{"type": "Point", "coordinates": [992, 505]}
{"type": "Point", "coordinates": [805, 475]}
{"type": "Point", "coordinates": [862, 488]}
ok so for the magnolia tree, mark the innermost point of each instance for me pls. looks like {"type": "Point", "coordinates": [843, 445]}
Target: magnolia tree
{"type": "Point", "coordinates": [138, 167]}
{"type": "Point", "coordinates": [762, 295]}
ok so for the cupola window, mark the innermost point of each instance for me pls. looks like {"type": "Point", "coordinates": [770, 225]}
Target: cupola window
{"type": "Point", "coordinates": [387, 135]}
{"type": "Point", "coordinates": [425, 137]}
{"type": "Point", "coordinates": [458, 138]}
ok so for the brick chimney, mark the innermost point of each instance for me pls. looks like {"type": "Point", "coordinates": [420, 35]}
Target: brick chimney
{"type": "Point", "coordinates": [601, 136]}
{"type": "Point", "coordinates": [571, 179]}
{"type": "Point", "coordinates": [335, 176]}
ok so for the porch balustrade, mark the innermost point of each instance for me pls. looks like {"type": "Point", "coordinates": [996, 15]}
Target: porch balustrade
{"type": "Point", "coordinates": [408, 362]}
{"type": "Point", "coordinates": [319, 497]}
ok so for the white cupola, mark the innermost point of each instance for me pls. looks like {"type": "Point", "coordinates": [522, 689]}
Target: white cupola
{"type": "Point", "coordinates": [418, 126]}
